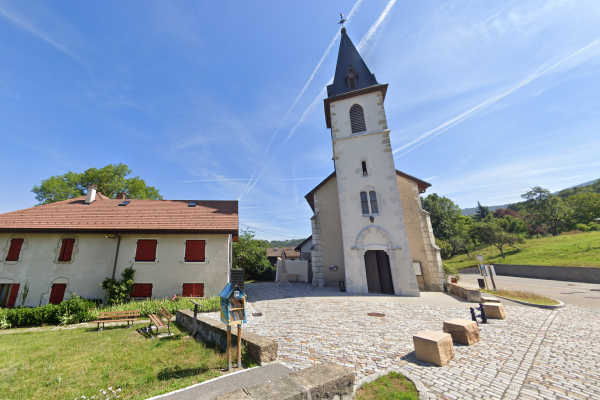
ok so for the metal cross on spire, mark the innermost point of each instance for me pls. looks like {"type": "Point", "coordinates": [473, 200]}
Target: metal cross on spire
{"type": "Point", "coordinates": [343, 20]}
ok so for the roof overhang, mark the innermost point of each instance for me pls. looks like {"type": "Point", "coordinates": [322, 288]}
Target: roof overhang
{"type": "Point", "coordinates": [119, 231]}
{"type": "Point", "coordinates": [347, 95]}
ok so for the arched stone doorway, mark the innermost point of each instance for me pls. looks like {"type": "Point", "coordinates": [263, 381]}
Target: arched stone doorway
{"type": "Point", "coordinates": [378, 271]}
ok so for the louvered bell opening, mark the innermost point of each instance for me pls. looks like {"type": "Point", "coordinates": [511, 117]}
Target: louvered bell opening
{"type": "Point", "coordinates": [357, 119]}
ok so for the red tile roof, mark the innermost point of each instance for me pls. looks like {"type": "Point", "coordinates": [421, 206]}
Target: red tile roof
{"type": "Point", "coordinates": [105, 214]}
{"type": "Point", "coordinates": [289, 252]}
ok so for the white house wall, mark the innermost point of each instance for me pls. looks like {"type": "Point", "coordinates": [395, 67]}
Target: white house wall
{"type": "Point", "coordinates": [93, 261]}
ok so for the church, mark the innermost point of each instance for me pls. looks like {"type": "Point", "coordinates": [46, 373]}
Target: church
{"type": "Point", "coordinates": [369, 231]}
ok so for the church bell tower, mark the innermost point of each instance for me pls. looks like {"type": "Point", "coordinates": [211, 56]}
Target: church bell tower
{"type": "Point", "coordinates": [377, 256]}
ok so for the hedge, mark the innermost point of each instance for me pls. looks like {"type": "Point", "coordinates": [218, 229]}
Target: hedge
{"type": "Point", "coordinates": [77, 309]}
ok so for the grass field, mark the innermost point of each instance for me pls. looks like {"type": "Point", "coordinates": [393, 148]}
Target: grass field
{"type": "Point", "coordinates": [76, 362]}
{"type": "Point", "coordinates": [527, 297]}
{"type": "Point", "coordinates": [390, 387]}
{"type": "Point", "coordinates": [577, 250]}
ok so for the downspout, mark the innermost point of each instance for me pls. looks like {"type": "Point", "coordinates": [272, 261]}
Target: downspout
{"type": "Point", "coordinates": [116, 255]}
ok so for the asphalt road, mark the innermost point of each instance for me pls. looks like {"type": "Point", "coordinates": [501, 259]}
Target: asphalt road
{"type": "Point", "coordinates": [581, 294]}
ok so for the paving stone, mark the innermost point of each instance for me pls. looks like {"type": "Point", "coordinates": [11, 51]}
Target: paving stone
{"type": "Point", "coordinates": [534, 349]}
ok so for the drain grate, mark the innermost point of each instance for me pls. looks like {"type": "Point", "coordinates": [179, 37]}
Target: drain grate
{"type": "Point", "coordinates": [375, 314]}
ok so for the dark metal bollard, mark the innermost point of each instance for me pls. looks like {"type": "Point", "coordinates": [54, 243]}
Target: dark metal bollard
{"type": "Point", "coordinates": [483, 317]}
{"type": "Point", "coordinates": [473, 317]}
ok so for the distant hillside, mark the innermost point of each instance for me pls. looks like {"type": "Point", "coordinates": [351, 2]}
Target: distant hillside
{"type": "Point", "coordinates": [591, 186]}
{"type": "Point", "coordinates": [285, 243]}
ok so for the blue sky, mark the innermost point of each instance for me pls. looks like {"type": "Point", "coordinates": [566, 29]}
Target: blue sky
{"type": "Point", "coordinates": [486, 98]}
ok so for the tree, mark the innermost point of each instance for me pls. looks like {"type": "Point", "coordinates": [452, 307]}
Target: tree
{"type": "Point", "coordinates": [585, 206]}
{"type": "Point", "coordinates": [481, 213]}
{"type": "Point", "coordinates": [549, 208]}
{"type": "Point", "coordinates": [445, 248]}
{"type": "Point", "coordinates": [110, 180]}
{"type": "Point", "coordinates": [462, 240]}
{"type": "Point", "coordinates": [445, 215]}
{"type": "Point", "coordinates": [250, 253]}
{"type": "Point", "coordinates": [492, 232]}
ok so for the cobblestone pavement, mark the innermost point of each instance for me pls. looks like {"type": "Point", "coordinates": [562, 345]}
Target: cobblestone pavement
{"type": "Point", "coordinates": [533, 354]}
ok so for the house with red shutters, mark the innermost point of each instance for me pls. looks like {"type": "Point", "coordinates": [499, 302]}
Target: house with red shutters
{"type": "Point", "coordinates": [175, 247]}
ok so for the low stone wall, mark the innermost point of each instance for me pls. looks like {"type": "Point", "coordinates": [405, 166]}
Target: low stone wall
{"type": "Point", "coordinates": [471, 295]}
{"type": "Point", "coordinates": [574, 274]}
{"type": "Point", "coordinates": [325, 381]}
{"type": "Point", "coordinates": [211, 331]}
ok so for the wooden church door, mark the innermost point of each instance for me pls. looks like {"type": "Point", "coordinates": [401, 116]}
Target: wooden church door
{"type": "Point", "coordinates": [379, 274]}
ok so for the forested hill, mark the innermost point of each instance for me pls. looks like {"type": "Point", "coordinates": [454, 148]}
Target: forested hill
{"type": "Point", "coordinates": [285, 243]}
{"type": "Point", "coordinates": [587, 187]}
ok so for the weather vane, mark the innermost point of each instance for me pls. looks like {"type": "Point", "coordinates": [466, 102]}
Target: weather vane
{"type": "Point", "coordinates": [343, 20]}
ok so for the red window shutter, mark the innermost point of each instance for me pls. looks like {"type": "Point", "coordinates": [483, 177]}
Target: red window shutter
{"type": "Point", "coordinates": [198, 289]}
{"type": "Point", "coordinates": [66, 251]}
{"type": "Point", "coordinates": [57, 293]}
{"type": "Point", "coordinates": [194, 250]}
{"type": "Point", "coordinates": [146, 250]}
{"type": "Point", "coordinates": [15, 250]}
{"type": "Point", "coordinates": [141, 290]}
{"type": "Point", "coordinates": [188, 290]}
{"type": "Point", "coordinates": [12, 297]}
{"type": "Point", "coordinates": [136, 290]}
{"type": "Point", "coordinates": [148, 290]}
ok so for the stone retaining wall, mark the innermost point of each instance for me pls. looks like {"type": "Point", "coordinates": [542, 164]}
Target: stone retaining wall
{"type": "Point", "coordinates": [573, 274]}
{"type": "Point", "coordinates": [471, 295]}
{"type": "Point", "coordinates": [211, 331]}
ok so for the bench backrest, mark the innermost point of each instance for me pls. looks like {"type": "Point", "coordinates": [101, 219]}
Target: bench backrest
{"type": "Point", "coordinates": [166, 313]}
{"type": "Point", "coordinates": [118, 314]}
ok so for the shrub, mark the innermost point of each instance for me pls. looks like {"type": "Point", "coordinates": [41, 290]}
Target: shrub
{"type": "Point", "coordinates": [448, 271]}
{"type": "Point", "coordinates": [445, 248]}
{"type": "Point", "coordinates": [594, 226]}
{"type": "Point", "coordinates": [582, 227]}
{"type": "Point", "coordinates": [118, 291]}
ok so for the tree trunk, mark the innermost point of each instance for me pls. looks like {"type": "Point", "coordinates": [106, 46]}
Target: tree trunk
{"type": "Point", "coordinates": [501, 252]}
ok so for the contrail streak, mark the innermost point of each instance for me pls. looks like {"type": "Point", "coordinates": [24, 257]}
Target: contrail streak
{"type": "Point", "coordinates": [362, 43]}
{"type": "Point", "coordinates": [245, 179]}
{"type": "Point", "coordinates": [354, 8]}
{"type": "Point", "coordinates": [455, 121]}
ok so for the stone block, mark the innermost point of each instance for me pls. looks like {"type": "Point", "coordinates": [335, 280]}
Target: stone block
{"type": "Point", "coordinates": [434, 347]}
{"type": "Point", "coordinates": [494, 310]}
{"type": "Point", "coordinates": [284, 388]}
{"type": "Point", "coordinates": [238, 394]}
{"type": "Point", "coordinates": [327, 381]}
{"type": "Point", "coordinates": [462, 331]}
{"type": "Point", "coordinates": [486, 299]}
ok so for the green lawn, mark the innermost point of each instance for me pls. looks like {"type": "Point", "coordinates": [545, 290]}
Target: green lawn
{"type": "Point", "coordinates": [390, 387]}
{"type": "Point", "coordinates": [578, 250]}
{"type": "Point", "coordinates": [527, 297]}
{"type": "Point", "coordinates": [71, 363]}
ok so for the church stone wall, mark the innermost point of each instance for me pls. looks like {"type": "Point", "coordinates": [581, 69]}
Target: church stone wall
{"type": "Point", "coordinates": [326, 201]}
{"type": "Point", "coordinates": [420, 235]}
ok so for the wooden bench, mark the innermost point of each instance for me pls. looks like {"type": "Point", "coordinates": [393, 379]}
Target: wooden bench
{"type": "Point", "coordinates": [157, 320]}
{"type": "Point", "coordinates": [117, 316]}
{"type": "Point", "coordinates": [292, 277]}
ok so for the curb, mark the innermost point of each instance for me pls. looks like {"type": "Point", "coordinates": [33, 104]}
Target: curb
{"type": "Point", "coordinates": [547, 307]}
{"type": "Point", "coordinates": [424, 392]}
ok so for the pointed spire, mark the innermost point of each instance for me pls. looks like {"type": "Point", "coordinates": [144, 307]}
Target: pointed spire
{"type": "Point", "coordinates": [351, 72]}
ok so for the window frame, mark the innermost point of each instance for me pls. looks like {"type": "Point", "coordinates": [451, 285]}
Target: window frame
{"type": "Point", "coordinates": [185, 249]}
{"type": "Point", "coordinates": [369, 203]}
{"type": "Point", "coordinates": [63, 248]}
{"type": "Point", "coordinates": [155, 252]}
{"type": "Point", "coordinates": [359, 120]}
{"type": "Point", "coordinates": [10, 249]}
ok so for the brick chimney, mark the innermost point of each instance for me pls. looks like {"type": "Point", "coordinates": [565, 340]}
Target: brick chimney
{"type": "Point", "coordinates": [91, 194]}
{"type": "Point", "coordinates": [121, 196]}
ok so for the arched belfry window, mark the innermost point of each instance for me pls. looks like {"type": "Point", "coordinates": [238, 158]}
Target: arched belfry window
{"type": "Point", "coordinates": [357, 119]}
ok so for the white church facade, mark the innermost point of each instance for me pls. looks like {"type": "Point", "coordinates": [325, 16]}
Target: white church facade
{"type": "Point", "coordinates": [368, 229]}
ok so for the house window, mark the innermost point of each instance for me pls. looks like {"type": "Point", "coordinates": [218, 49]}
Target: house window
{"type": "Point", "coordinates": [352, 82]}
{"type": "Point", "coordinates": [195, 250]}
{"type": "Point", "coordinates": [369, 203]}
{"type": "Point", "coordinates": [57, 294]}
{"type": "Point", "coordinates": [364, 168]}
{"type": "Point", "coordinates": [66, 250]}
{"type": "Point", "coordinates": [193, 290]}
{"type": "Point", "coordinates": [373, 199]}
{"type": "Point", "coordinates": [146, 250]}
{"type": "Point", "coordinates": [141, 290]}
{"type": "Point", "coordinates": [357, 119]}
{"type": "Point", "coordinates": [15, 250]}
{"type": "Point", "coordinates": [8, 295]}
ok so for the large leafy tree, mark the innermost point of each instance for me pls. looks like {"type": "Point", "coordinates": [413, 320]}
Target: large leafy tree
{"type": "Point", "coordinates": [549, 208]}
{"type": "Point", "coordinates": [110, 180]}
{"type": "Point", "coordinates": [250, 253]}
{"type": "Point", "coordinates": [585, 206]}
{"type": "Point", "coordinates": [481, 213]}
{"type": "Point", "coordinates": [491, 231]}
{"type": "Point", "coordinates": [462, 240]}
{"type": "Point", "coordinates": [445, 215]}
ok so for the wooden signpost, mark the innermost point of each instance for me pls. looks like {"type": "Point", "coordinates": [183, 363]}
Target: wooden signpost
{"type": "Point", "coordinates": [233, 312]}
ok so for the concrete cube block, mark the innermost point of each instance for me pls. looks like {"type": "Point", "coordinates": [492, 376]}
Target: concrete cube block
{"type": "Point", "coordinates": [434, 347]}
{"type": "Point", "coordinates": [462, 331]}
{"type": "Point", "coordinates": [279, 389]}
{"type": "Point", "coordinates": [486, 299]}
{"type": "Point", "coordinates": [494, 310]}
{"type": "Point", "coordinates": [327, 381]}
